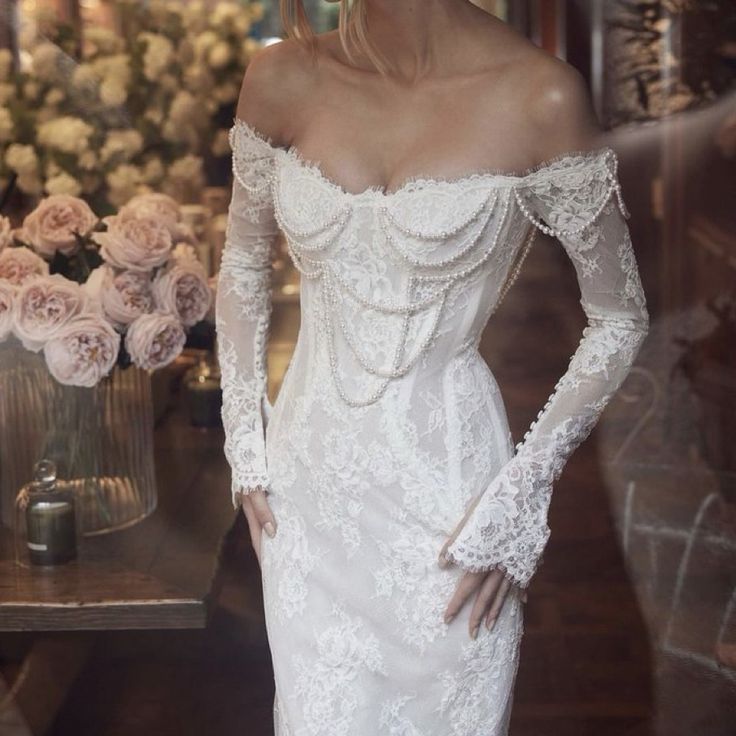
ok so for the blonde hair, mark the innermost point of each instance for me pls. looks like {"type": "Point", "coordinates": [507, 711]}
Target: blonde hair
{"type": "Point", "coordinates": [352, 27]}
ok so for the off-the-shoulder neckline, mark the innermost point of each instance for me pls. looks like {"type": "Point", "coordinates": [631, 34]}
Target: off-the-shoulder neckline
{"type": "Point", "coordinates": [545, 168]}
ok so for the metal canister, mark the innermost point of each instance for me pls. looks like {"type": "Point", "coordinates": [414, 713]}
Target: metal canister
{"type": "Point", "coordinates": [50, 515]}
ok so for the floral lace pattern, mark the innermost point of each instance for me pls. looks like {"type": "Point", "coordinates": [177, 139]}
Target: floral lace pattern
{"type": "Point", "coordinates": [390, 429]}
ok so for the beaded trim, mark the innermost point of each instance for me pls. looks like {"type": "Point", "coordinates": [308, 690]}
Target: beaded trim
{"type": "Point", "coordinates": [332, 282]}
{"type": "Point", "coordinates": [549, 167]}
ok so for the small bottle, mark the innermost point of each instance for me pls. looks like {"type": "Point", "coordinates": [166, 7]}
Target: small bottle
{"type": "Point", "coordinates": [46, 519]}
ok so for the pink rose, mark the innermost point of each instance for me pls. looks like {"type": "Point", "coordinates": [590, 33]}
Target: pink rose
{"type": "Point", "coordinates": [137, 243]}
{"type": "Point", "coordinates": [42, 306]}
{"type": "Point", "coordinates": [160, 207]}
{"type": "Point", "coordinates": [123, 295]}
{"type": "Point", "coordinates": [7, 298]}
{"type": "Point", "coordinates": [6, 232]}
{"type": "Point", "coordinates": [18, 265]}
{"type": "Point", "coordinates": [82, 351]}
{"type": "Point", "coordinates": [182, 288]}
{"type": "Point", "coordinates": [154, 340]}
{"type": "Point", "coordinates": [53, 224]}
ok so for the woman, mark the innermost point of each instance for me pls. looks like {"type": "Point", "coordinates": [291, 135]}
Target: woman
{"type": "Point", "coordinates": [401, 526]}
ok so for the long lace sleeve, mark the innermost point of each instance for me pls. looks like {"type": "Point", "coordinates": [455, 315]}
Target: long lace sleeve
{"type": "Point", "coordinates": [578, 200]}
{"type": "Point", "coordinates": [243, 311]}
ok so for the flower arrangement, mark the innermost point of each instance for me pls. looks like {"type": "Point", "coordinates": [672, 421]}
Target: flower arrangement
{"type": "Point", "coordinates": [114, 114]}
{"type": "Point", "coordinates": [91, 293]}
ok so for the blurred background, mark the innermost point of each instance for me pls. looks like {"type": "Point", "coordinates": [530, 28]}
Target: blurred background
{"type": "Point", "coordinates": [157, 626]}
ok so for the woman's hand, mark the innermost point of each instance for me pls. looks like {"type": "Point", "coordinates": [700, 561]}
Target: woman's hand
{"type": "Point", "coordinates": [259, 515]}
{"type": "Point", "coordinates": [490, 588]}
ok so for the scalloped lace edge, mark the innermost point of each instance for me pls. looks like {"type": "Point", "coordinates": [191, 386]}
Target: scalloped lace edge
{"type": "Point", "coordinates": [547, 167]}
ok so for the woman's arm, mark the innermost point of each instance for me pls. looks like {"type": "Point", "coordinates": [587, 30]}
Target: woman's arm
{"type": "Point", "coordinates": [576, 199]}
{"type": "Point", "coordinates": [243, 307]}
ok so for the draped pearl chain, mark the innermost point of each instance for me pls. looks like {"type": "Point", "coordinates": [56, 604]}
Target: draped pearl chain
{"type": "Point", "coordinates": [309, 249]}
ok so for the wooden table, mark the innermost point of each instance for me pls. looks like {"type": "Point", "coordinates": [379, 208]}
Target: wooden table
{"type": "Point", "coordinates": [161, 573]}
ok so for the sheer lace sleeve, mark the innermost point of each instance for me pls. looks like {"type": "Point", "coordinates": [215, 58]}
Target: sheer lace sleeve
{"type": "Point", "coordinates": [578, 200]}
{"type": "Point", "coordinates": [243, 311]}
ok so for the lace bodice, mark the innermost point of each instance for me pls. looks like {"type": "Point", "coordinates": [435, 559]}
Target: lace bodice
{"type": "Point", "coordinates": [397, 285]}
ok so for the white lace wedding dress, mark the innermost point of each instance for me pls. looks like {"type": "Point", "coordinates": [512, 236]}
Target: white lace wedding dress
{"type": "Point", "coordinates": [389, 423]}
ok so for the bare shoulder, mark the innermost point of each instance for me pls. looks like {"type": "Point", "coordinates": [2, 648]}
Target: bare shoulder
{"type": "Point", "coordinates": [559, 106]}
{"type": "Point", "coordinates": [276, 80]}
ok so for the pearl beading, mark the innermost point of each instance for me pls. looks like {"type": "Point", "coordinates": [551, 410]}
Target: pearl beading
{"type": "Point", "coordinates": [338, 219]}
{"type": "Point", "coordinates": [443, 234]}
{"type": "Point", "coordinates": [449, 260]}
{"type": "Point", "coordinates": [613, 186]}
{"type": "Point", "coordinates": [446, 281]}
{"type": "Point", "coordinates": [395, 371]}
{"type": "Point", "coordinates": [330, 277]}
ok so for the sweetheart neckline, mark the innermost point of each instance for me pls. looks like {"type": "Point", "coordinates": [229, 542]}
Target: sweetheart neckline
{"type": "Point", "coordinates": [518, 178]}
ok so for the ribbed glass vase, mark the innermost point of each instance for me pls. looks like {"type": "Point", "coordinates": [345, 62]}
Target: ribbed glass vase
{"type": "Point", "coordinates": [101, 438]}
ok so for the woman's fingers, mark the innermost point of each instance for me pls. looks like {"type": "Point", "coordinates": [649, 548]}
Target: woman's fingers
{"type": "Point", "coordinates": [469, 583]}
{"type": "Point", "coordinates": [483, 600]}
{"type": "Point", "coordinates": [254, 526]}
{"type": "Point", "coordinates": [263, 512]}
{"type": "Point", "coordinates": [498, 601]}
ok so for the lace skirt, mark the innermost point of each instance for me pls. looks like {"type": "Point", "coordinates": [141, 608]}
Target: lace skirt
{"type": "Point", "coordinates": [353, 595]}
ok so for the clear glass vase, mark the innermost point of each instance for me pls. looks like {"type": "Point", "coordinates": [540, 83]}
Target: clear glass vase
{"type": "Point", "coordinates": [101, 438]}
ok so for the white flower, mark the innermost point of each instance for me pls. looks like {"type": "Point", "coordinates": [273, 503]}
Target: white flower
{"type": "Point", "coordinates": [225, 14]}
{"type": "Point", "coordinates": [152, 171]}
{"type": "Point", "coordinates": [63, 183]}
{"type": "Point", "coordinates": [157, 56]}
{"type": "Point", "coordinates": [220, 55]}
{"type": "Point", "coordinates": [54, 97]}
{"type": "Point", "coordinates": [66, 134]}
{"type": "Point", "coordinates": [84, 77]}
{"type": "Point", "coordinates": [123, 182]}
{"type": "Point", "coordinates": [154, 340]}
{"type": "Point", "coordinates": [184, 252]}
{"type": "Point", "coordinates": [220, 143]}
{"type": "Point", "coordinates": [6, 125]}
{"type": "Point", "coordinates": [46, 60]}
{"type": "Point", "coordinates": [88, 160]}
{"type": "Point", "coordinates": [121, 145]}
{"type": "Point", "coordinates": [113, 93]}
{"type": "Point", "coordinates": [42, 306]}
{"type": "Point", "coordinates": [98, 39]}
{"type": "Point", "coordinates": [185, 178]}
{"type": "Point", "coordinates": [204, 42]}
{"type": "Point", "coordinates": [21, 159]}
{"type": "Point", "coordinates": [83, 351]}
